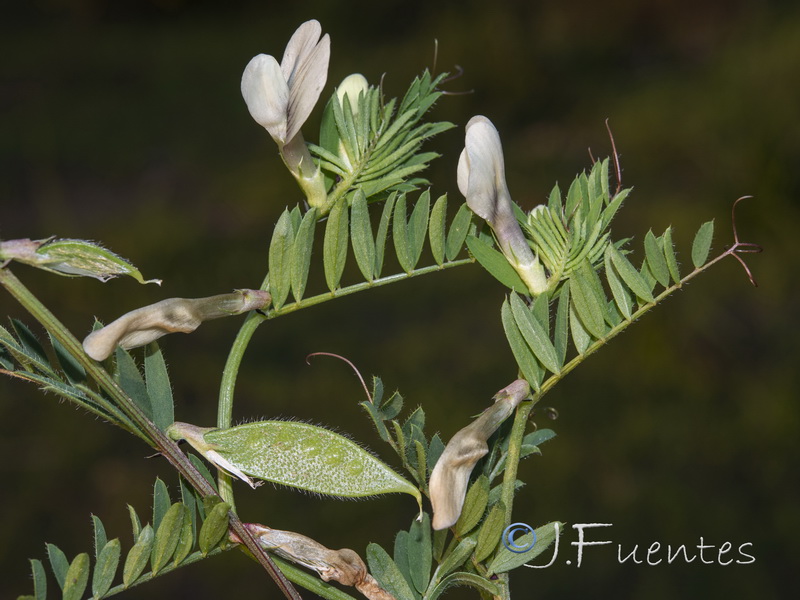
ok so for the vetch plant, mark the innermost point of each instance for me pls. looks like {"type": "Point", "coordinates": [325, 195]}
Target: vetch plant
{"type": "Point", "coordinates": [571, 288]}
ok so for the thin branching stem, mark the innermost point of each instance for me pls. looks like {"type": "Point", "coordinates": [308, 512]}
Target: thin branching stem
{"type": "Point", "coordinates": [158, 439]}
{"type": "Point", "coordinates": [360, 287]}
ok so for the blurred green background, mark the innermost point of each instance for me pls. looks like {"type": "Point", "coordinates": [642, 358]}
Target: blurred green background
{"type": "Point", "coordinates": [122, 122]}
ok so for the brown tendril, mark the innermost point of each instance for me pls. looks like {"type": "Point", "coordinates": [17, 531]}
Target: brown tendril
{"type": "Point", "coordinates": [352, 366]}
{"type": "Point", "coordinates": [740, 247]}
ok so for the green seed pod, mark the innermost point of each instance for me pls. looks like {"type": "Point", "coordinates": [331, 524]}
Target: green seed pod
{"type": "Point", "coordinates": [298, 455]}
{"type": "Point", "coordinates": [72, 258]}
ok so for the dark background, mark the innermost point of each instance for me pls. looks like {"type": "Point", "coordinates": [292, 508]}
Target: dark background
{"type": "Point", "coordinates": [122, 122]}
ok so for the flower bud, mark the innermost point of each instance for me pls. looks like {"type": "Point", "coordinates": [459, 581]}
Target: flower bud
{"type": "Point", "coordinates": [352, 86]}
{"type": "Point", "coordinates": [450, 475]}
{"type": "Point", "coordinates": [144, 325]}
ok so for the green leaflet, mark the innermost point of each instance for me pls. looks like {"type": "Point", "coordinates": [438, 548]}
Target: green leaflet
{"type": "Point", "coordinates": [401, 236]}
{"type": "Point", "coordinates": [39, 580]}
{"type": "Point", "coordinates": [656, 259]}
{"type": "Point", "coordinates": [77, 577]}
{"type": "Point", "coordinates": [72, 368]}
{"type": "Point", "coordinates": [669, 253]}
{"type": "Point", "coordinates": [419, 552]}
{"type": "Point", "coordinates": [383, 232]}
{"type": "Point", "coordinates": [618, 289]}
{"type": "Point", "coordinates": [132, 382]}
{"type": "Point", "coordinates": [458, 232]}
{"type": "Point", "coordinates": [505, 560]}
{"type": "Point", "coordinates": [100, 538]}
{"type": "Point", "coordinates": [334, 252]}
{"type": "Point", "coordinates": [561, 334]}
{"type": "Point", "coordinates": [580, 337]}
{"type": "Point", "coordinates": [136, 524]}
{"type": "Point", "coordinates": [457, 557]}
{"type": "Point", "coordinates": [528, 365]}
{"type": "Point", "coordinates": [474, 506]}
{"type": "Point", "coordinates": [307, 457]}
{"type": "Point", "coordinates": [386, 571]}
{"type": "Point", "coordinates": [214, 527]}
{"type": "Point", "coordinates": [186, 536]}
{"type": "Point", "coordinates": [418, 226]}
{"type": "Point", "coordinates": [629, 274]}
{"type": "Point", "coordinates": [280, 251]}
{"type": "Point", "coordinates": [535, 334]}
{"type": "Point", "coordinates": [702, 244]}
{"type": "Point", "coordinates": [161, 501]}
{"type": "Point", "coordinates": [494, 262]}
{"type": "Point", "coordinates": [58, 563]}
{"type": "Point", "coordinates": [106, 568]}
{"type": "Point", "coordinates": [490, 532]}
{"type": "Point", "coordinates": [158, 386]}
{"type": "Point", "coordinates": [301, 253]}
{"type": "Point", "coordinates": [167, 536]}
{"type": "Point", "coordinates": [138, 556]}
{"type": "Point", "coordinates": [361, 235]}
{"type": "Point", "coordinates": [588, 300]}
{"type": "Point", "coordinates": [437, 229]}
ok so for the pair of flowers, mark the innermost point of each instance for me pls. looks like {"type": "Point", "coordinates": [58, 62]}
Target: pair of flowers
{"type": "Point", "coordinates": [280, 97]}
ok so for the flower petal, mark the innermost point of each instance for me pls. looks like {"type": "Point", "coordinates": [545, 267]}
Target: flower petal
{"type": "Point", "coordinates": [266, 94]}
{"type": "Point", "coordinates": [305, 85]}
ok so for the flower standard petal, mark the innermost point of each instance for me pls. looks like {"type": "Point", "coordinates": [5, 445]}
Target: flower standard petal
{"type": "Point", "coordinates": [305, 70]}
{"type": "Point", "coordinates": [266, 94]}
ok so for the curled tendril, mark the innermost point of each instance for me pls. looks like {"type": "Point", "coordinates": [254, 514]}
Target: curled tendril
{"type": "Point", "coordinates": [740, 247]}
{"type": "Point", "coordinates": [352, 366]}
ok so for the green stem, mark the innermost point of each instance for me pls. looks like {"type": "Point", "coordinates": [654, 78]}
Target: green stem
{"type": "Point", "coordinates": [616, 330]}
{"type": "Point", "coordinates": [158, 438]}
{"type": "Point", "coordinates": [225, 406]}
{"type": "Point", "coordinates": [365, 285]}
{"type": "Point", "coordinates": [512, 458]}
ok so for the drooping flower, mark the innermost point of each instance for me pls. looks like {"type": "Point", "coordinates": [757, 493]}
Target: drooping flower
{"type": "Point", "coordinates": [174, 315]}
{"type": "Point", "coordinates": [482, 180]}
{"type": "Point", "coordinates": [280, 97]}
{"type": "Point", "coordinates": [450, 475]}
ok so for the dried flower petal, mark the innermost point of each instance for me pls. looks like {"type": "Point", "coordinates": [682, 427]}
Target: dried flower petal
{"type": "Point", "coordinates": [450, 476]}
{"type": "Point", "coordinates": [344, 565]}
{"type": "Point", "coordinates": [144, 325]}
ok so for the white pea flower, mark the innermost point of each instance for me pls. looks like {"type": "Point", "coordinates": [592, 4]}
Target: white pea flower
{"type": "Point", "coordinates": [482, 180]}
{"type": "Point", "coordinates": [280, 97]}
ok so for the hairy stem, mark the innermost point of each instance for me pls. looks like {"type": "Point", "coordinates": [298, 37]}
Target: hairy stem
{"type": "Point", "coordinates": [615, 331]}
{"type": "Point", "coordinates": [365, 285]}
